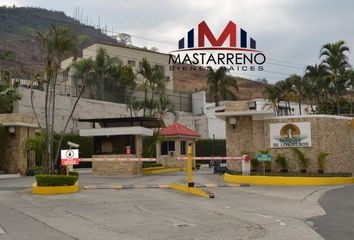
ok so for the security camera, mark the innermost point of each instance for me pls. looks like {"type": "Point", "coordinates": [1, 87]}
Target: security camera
{"type": "Point", "coordinates": [74, 145]}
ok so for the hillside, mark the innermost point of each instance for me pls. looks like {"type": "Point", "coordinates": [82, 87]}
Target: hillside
{"type": "Point", "coordinates": [18, 30]}
{"type": "Point", "coordinates": [188, 81]}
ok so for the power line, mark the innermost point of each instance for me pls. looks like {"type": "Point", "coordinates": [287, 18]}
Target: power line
{"type": "Point", "coordinates": [167, 42]}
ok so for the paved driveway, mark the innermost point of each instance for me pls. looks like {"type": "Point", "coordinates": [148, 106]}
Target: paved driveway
{"type": "Point", "coordinates": [236, 213]}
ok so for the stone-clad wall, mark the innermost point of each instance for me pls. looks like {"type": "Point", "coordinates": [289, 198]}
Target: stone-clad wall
{"type": "Point", "coordinates": [330, 134]}
{"type": "Point", "coordinates": [15, 160]}
{"type": "Point", "coordinates": [110, 165]}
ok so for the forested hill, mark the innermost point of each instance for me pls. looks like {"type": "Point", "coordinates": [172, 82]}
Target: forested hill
{"type": "Point", "coordinates": [18, 31]}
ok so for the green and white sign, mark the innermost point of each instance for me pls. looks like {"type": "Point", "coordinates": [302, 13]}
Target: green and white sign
{"type": "Point", "coordinates": [287, 135]}
{"type": "Point", "coordinates": [264, 157]}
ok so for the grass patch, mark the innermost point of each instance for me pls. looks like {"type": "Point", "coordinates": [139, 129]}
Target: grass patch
{"type": "Point", "coordinates": [292, 174]}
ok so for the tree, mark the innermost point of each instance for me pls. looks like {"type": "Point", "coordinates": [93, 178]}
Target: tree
{"type": "Point", "coordinates": [317, 84]}
{"type": "Point", "coordinates": [56, 43]}
{"type": "Point", "coordinates": [83, 70]}
{"type": "Point", "coordinates": [298, 84]}
{"type": "Point", "coordinates": [104, 65]}
{"type": "Point", "coordinates": [334, 58]}
{"type": "Point", "coordinates": [220, 85]}
{"type": "Point", "coordinates": [124, 39]}
{"type": "Point", "coordinates": [8, 96]}
{"type": "Point", "coordinates": [153, 78]}
{"type": "Point", "coordinates": [37, 144]}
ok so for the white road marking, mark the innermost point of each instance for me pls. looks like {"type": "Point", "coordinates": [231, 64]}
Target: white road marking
{"type": "Point", "coordinates": [281, 223]}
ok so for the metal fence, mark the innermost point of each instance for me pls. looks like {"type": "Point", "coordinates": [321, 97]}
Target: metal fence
{"type": "Point", "coordinates": [180, 101]}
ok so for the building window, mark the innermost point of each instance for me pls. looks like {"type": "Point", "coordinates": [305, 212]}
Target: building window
{"type": "Point", "coordinates": [161, 68]}
{"type": "Point", "coordinates": [167, 147]}
{"type": "Point", "coordinates": [131, 63]}
{"type": "Point", "coordinates": [183, 147]}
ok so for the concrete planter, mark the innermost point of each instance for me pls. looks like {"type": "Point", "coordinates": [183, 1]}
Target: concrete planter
{"type": "Point", "coordinates": [53, 190]}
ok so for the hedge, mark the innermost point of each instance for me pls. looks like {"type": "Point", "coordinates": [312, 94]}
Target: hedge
{"type": "Point", "coordinates": [56, 180]}
{"type": "Point", "coordinates": [151, 164]}
{"type": "Point", "coordinates": [210, 147]}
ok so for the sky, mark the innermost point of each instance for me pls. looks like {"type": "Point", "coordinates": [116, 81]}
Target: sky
{"type": "Point", "coordinates": [289, 32]}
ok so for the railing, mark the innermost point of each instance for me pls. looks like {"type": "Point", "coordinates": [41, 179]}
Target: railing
{"type": "Point", "coordinates": [180, 101]}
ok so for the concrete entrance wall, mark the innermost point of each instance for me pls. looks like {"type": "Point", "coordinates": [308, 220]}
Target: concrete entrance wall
{"type": "Point", "coordinates": [332, 134]}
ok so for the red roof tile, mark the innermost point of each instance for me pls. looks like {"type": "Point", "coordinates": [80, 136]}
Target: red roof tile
{"type": "Point", "coordinates": [178, 129]}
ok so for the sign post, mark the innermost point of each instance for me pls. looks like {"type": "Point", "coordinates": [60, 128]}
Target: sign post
{"type": "Point", "coordinates": [264, 158]}
{"type": "Point", "coordinates": [69, 157]}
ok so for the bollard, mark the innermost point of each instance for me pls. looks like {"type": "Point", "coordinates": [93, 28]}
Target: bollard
{"type": "Point", "coordinates": [189, 166]}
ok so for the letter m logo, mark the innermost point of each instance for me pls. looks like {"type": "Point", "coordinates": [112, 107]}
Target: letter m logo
{"type": "Point", "coordinates": [204, 31]}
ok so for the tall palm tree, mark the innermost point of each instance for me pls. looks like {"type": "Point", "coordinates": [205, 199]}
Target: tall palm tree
{"type": "Point", "coordinates": [56, 43]}
{"type": "Point", "coordinates": [335, 60]}
{"type": "Point", "coordinates": [220, 85]}
{"type": "Point", "coordinates": [153, 78]}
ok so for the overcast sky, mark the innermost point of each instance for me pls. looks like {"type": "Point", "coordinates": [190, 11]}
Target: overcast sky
{"type": "Point", "coordinates": [290, 32]}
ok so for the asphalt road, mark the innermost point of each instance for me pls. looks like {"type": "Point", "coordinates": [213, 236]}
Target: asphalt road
{"type": "Point", "coordinates": [338, 223]}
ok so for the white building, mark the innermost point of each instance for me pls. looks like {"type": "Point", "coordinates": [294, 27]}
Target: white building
{"type": "Point", "coordinates": [129, 56]}
{"type": "Point", "coordinates": [216, 126]}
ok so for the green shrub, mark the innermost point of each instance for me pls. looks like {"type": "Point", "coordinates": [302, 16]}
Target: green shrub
{"type": "Point", "coordinates": [35, 171]}
{"type": "Point", "coordinates": [321, 158]}
{"type": "Point", "coordinates": [264, 151]}
{"type": "Point", "coordinates": [56, 180]}
{"type": "Point", "coordinates": [303, 160]}
{"type": "Point", "coordinates": [198, 165]}
{"type": "Point", "coordinates": [254, 163]}
{"type": "Point", "coordinates": [151, 164]}
{"type": "Point", "coordinates": [281, 160]}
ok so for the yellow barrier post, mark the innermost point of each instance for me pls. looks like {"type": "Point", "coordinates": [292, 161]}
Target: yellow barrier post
{"type": "Point", "coordinates": [189, 166]}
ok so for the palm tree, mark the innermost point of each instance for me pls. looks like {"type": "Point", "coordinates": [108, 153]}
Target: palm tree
{"type": "Point", "coordinates": [221, 85]}
{"type": "Point", "coordinates": [152, 78]}
{"type": "Point", "coordinates": [298, 84]}
{"type": "Point", "coordinates": [317, 84]}
{"type": "Point", "coordinates": [335, 60]}
{"type": "Point", "coordinates": [103, 67]}
{"type": "Point", "coordinates": [56, 43]}
{"type": "Point", "coordinates": [272, 95]}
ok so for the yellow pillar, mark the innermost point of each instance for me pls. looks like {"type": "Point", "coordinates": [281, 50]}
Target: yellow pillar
{"type": "Point", "coordinates": [189, 166]}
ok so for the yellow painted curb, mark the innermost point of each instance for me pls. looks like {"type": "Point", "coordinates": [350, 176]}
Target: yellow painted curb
{"type": "Point", "coordinates": [163, 170]}
{"type": "Point", "coordinates": [153, 168]}
{"type": "Point", "coordinates": [55, 189]}
{"type": "Point", "coordinates": [191, 190]}
{"type": "Point", "coordinates": [278, 180]}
